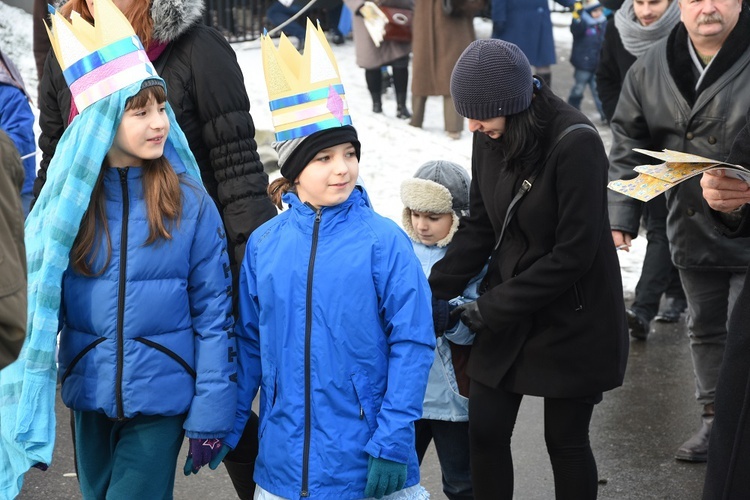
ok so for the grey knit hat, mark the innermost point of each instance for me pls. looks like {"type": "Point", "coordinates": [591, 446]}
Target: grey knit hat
{"type": "Point", "coordinates": [491, 78]}
{"type": "Point", "coordinates": [438, 187]}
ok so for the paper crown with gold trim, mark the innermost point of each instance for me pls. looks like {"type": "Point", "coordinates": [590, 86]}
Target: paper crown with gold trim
{"type": "Point", "coordinates": [99, 60]}
{"type": "Point", "coordinates": [304, 90]}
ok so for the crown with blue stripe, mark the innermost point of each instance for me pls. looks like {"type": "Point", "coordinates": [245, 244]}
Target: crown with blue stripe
{"type": "Point", "coordinates": [99, 60]}
{"type": "Point", "coordinates": [304, 91]}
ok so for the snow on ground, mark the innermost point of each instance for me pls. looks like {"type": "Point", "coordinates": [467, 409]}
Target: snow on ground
{"type": "Point", "coordinates": [391, 149]}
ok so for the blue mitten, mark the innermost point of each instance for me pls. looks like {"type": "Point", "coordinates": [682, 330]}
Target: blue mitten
{"type": "Point", "coordinates": [204, 452]}
{"type": "Point", "coordinates": [440, 318]}
{"type": "Point", "coordinates": [384, 477]}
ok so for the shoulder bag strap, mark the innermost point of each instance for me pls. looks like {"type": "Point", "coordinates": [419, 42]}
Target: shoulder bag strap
{"type": "Point", "coordinates": [523, 191]}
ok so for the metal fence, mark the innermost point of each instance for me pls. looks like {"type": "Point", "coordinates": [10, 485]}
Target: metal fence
{"type": "Point", "coordinates": [243, 20]}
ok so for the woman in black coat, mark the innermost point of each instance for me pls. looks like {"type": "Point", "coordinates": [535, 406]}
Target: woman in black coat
{"type": "Point", "coordinates": [206, 90]}
{"type": "Point", "coordinates": [729, 448]}
{"type": "Point", "coordinates": [550, 321]}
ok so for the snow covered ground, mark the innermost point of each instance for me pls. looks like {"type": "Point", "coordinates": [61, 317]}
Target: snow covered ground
{"type": "Point", "coordinates": [391, 149]}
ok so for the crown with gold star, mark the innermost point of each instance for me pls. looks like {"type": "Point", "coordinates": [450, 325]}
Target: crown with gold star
{"type": "Point", "coordinates": [304, 90]}
{"type": "Point", "coordinates": [99, 60]}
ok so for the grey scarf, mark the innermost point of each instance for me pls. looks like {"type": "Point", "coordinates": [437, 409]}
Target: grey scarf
{"type": "Point", "coordinates": [637, 38]}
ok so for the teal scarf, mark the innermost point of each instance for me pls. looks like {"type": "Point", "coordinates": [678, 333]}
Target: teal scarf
{"type": "Point", "coordinates": [27, 387]}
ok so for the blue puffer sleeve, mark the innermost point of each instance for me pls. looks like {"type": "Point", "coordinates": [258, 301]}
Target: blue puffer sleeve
{"type": "Point", "coordinates": [405, 306]}
{"type": "Point", "coordinates": [209, 288]}
{"type": "Point", "coordinates": [248, 343]}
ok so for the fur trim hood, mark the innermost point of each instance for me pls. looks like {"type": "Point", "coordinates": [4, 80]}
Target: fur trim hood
{"type": "Point", "coordinates": [424, 195]}
{"type": "Point", "coordinates": [172, 18]}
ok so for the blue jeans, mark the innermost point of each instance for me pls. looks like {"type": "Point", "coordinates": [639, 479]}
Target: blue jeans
{"type": "Point", "coordinates": [452, 447]}
{"type": "Point", "coordinates": [583, 78]}
{"type": "Point", "coordinates": [277, 13]}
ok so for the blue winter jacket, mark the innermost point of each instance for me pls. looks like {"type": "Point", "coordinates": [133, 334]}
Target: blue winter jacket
{"type": "Point", "coordinates": [153, 334]}
{"type": "Point", "coordinates": [17, 120]}
{"type": "Point", "coordinates": [336, 329]}
{"type": "Point", "coordinates": [588, 35]}
{"type": "Point", "coordinates": [442, 401]}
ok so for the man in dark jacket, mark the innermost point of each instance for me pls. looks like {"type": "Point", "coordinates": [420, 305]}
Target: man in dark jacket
{"type": "Point", "coordinates": [687, 95]}
{"type": "Point", "coordinates": [13, 261]}
{"type": "Point", "coordinates": [634, 29]}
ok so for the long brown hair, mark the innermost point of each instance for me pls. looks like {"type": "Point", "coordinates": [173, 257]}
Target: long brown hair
{"type": "Point", "coordinates": [138, 14]}
{"type": "Point", "coordinates": [161, 190]}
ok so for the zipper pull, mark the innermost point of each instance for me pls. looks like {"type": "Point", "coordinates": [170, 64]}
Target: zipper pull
{"type": "Point", "coordinates": [361, 413]}
{"type": "Point", "coordinates": [123, 174]}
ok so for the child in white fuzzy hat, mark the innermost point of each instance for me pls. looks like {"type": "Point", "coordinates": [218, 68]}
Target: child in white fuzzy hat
{"type": "Point", "coordinates": [434, 200]}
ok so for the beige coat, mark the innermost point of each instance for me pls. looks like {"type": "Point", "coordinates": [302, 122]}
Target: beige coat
{"type": "Point", "coordinates": [367, 54]}
{"type": "Point", "coordinates": [437, 42]}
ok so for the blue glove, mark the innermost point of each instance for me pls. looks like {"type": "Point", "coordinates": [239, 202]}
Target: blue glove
{"type": "Point", "coordinates": [204, 452]}
{"type": "Point", "coordinates": [440, 318]}
{"type": "Point", "coordinates": [384, 477]}
{"type": "Point", "coordinates": [470, 316]}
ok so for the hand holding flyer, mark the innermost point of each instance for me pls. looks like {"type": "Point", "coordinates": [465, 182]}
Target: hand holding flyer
{"type": "Point", "coordinates": [653, 180]}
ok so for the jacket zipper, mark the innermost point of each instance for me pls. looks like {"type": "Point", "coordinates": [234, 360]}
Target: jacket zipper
{"type": "Point", "coordinates": [121, 288]}
{"type": "Point", "coordinates": [308, 338]}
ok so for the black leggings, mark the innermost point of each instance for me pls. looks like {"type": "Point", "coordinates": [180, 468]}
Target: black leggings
{"type": "Point", "coordinates": [493, 415]}
{"type": "Point", "coordinates": [400, 67]}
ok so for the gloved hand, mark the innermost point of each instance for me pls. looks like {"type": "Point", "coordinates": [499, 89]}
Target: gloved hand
{"type": "Point", "coordinates": [41, 466]}
{"type": "Point", "coordinates": [202, 452]}
{"type": "Point", "coordinates": [470, 316]}
{"type": "Point", "coordinates": [384, 477]}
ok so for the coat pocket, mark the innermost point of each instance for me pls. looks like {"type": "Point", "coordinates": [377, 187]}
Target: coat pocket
{"type": "Point", "coordinates": [363, 391]}
{"type": "Point", "coordinates": [268, 394]}
{"type": "Point", "coordinates": [79, 356]}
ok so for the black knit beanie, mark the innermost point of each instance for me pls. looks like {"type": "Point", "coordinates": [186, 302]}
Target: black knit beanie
{"type": "Point", "coordinates": [302, 154]}
{"type": "Point", "coordinates": [491, 78]}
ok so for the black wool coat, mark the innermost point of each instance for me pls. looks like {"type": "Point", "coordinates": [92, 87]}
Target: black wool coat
{"type": "Point", "coordinates": [554, 306]}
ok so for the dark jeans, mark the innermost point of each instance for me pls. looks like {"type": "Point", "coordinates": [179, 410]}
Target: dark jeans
{"type": "Point", "coordinates": [658, 274]}
{"type": "Point", "coordinates": [452, 447]}
{"type": "Point", "coordinates": [566, 432]}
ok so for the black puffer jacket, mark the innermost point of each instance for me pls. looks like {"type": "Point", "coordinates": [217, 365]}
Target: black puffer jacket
{"type": "Point", "coordinates": [205, 87]}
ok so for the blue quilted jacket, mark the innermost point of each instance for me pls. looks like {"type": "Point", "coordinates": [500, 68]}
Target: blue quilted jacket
{"type": "Point", "coordinates": [336, 329]}
{"type": "Point", "coordinates": [153, 334]}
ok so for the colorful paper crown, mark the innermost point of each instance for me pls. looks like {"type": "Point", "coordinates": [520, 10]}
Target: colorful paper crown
{"type": "Point", "coordinates": [305, 91]}
{"type": "Point", "coordinates": [99, 60]}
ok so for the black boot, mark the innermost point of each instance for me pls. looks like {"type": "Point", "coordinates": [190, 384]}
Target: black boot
{"type": "Point", "coordinates": [402, 111]}
{"type": "Point", "coordinates": [695, 449]}
{"type": "Point", "coordinates": [377, 104]}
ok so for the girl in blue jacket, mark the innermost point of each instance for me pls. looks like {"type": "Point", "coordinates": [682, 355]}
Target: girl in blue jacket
{"type": "Point", "coordinates": [146, 316]}
{"type": "Point", "coordinates": [335, 328]}
{"type": "Point", "coordinates": [335, 325]}
{"type": "Point", "coordinates": [127, 260]}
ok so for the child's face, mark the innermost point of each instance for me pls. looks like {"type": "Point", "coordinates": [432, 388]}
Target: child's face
{"type": "Point", "coordinates": [141, 135]}
{"type": "Point", "coordinates": [330, 177]}
{"type": "Point", "coordinates": [430, 227]}
{"type": "Point", "coordinates": [597, 12]}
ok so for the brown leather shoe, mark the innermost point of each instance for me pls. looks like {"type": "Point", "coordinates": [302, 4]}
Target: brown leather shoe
{"type": "Point", "coordinates": [695, 449]}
